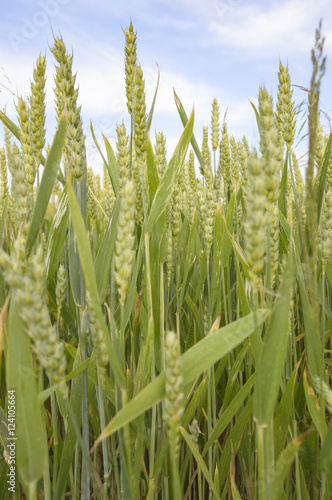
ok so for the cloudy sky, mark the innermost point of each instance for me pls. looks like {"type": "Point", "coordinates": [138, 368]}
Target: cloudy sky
{"type": "Point", "coordinates": [205, 49]}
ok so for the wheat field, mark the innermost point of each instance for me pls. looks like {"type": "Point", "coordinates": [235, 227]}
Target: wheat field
{"type": "Point", "coordinates": [165, 330]}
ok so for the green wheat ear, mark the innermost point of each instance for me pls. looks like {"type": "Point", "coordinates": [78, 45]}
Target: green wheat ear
{"type": "Point", "coordinates": [37, 110]}
{"type": "Point", "coordinates": [235, 165]}
{"type": "Point", "coordinates": [224, 165]}
{"type": "Point", "coordinates": [271, 155]}
{"type": "Point", "coordinates": [255, 225]}
{"type": "Point", "coordinates": [325, 236]}
{"type": "Point", "coordinates": [215, 125]}
{"type": "Point", "coordinates": [98, 342]}
{"type": "Point", "coordinates": [285, 114]}
{"type": "Point", "coordinates": [130, 63]}
{"type": "Point", "coordinates": [194, 431]}
{"type": "Point", "coordinates": [174, 400]}
{"type": "Point", "coordinates": [124, 253]}
{"type": "Point", "coordinates": [91, 203]}
{"type": "Point", "coordinates": [160, 153]}
{"type": "Point", "coordinates": [123, 157]}
{"type": "Point", "coordinates": [61, 288]}
{"type": "Point", "coordinates": [192, 198]}
{"type": "Point", "coordinates": [19, 189]}
{"type": "Point", "coordinates": [23, 114]}
{"type": "Point", "coordinates": [3, 180]}
{"type": "Point", "coordinates": [140, 133]}
{"type": "Point", "coordinates": [27, 280]}
{"type": "Point", "coordinates": [66, 98]}
{"type": "Point", "coordinates": [107, 194]}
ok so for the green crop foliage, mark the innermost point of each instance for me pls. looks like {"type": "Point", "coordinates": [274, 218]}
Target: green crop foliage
{"type": "Point", "coordinates": [165, 334]}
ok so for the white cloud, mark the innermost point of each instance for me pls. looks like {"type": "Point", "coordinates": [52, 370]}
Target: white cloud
{"type": "Point", "coordinates": [268, 28]}
{"type": "Point", "coordinates": [100, 76]}
{"type": "Point", "coordinates": [258, 29]}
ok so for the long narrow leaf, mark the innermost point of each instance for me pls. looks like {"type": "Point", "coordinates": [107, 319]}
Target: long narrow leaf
{"type": "Point", "coordinates": [200, 462]}
{"type": "Point", "coordinates": [234, 439]}
{"type": "Point", "coordinates": [90, 278]}
{"type": "Point", "coordinates": [10, 125]}
{"type": "Point", "coordinates": [57, 236]}
{"type": "Point", "coordinates": [229, 412]}
{"type": "Point", "coordinates": [256, 113]}
{"type": "Point", "coordinates": [16, 132]}
{"type": "Point", "coordinates": [112, 166]}
{"type": "Point", "coordinates": [97, 145]}
{"type": "Point", "coordinates": [42, 396]}
{"type": "Point", "coordinates": [77, 283]}
{"type": "Point", "coordinates": [315, 410]}
{"type": "Point", "coordinates": [47, 183]}
{"type": "Point", "coordinates": [184, 120]}
{"type": "Point", "coordinates": [283, 414]}
{"type": "Point", "coordinates": [153, 178]}
{"type": "Point", "coordinates": [320, 180]}
{"type": "Point", "coordinates": [272, 361]}
{"type": "Point", "coordinates": [283, 465]}
{"type": "Point", "coordinates": [150, 115]}
{"type": "Point", "coordinates": [326, 452]}
{"type": "Point", "coordinates": [70, 439]}
{"type": "Point", "coordinates": [105, 254]}
{"type": "Point", "coordinates": [29, 433]}
{"type": "Point", "coordinates": [215, 346]}
{"type": "Point", "coordinates": [168, 180]}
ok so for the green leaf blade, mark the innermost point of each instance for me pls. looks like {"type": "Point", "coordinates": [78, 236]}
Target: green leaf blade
{"type": "Point", "coordinates": [216, 345]}
{"type": "Point", "coordinates": [90, 278]}
{"type": "Point", "coordinates": [47, 183]}
{"type": "Point", "coordinates": [272, 360]}
{"type": "Point", "coordinates": [30, 433]}
{"type": "Point", "coordinates": [167, 182]}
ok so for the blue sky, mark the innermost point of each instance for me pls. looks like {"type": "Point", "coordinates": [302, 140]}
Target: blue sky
{"type": "Point", "coordinates": [205, 49]}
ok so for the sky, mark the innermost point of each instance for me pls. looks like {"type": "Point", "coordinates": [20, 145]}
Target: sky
{"type": "Point", "coordinates": [205, 49]}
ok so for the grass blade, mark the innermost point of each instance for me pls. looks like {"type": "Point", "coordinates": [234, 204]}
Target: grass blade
{"type": "Point", "coordinates": [168, 180]}
{"type": "Point", "coordinates": [68, 449]}
{"type": "Point", "coordinates": [234, 439]}
{"type": "Point", "coordinates": [283, 465]}
{"type": "Point", "coordinates": [320, 180]}
{"type": "Point", "coordinates": [44, 395]}
{"type": "Point", "coordinates": [47, 183]}
{"type": "Point", "coordinates": [229, 412]}
{"type": "Point", "coordinates": [57, 236]}
{"type": "Point", "coordinates": [215, 346]}
{"type": "Point", "coordinates": [283, 413]}
{"type": "Point", "coordinates": [105, 254]}
{"type": "Point", "coordinates": [90, 279]}
{"type": "Point", "coordinates": [200, 462]}
{"type": "Point", "coordinates": [10, 125]}
{"type": "Point", "coordinates": [256, 113]}
{"type": "Point", "coordinates": [271, 364]}
{"type": "Point", "coordinates": [326, 452]}
{"type": "Point", "coordinates": [235, 492]}
{"type": "Point", "coordinates": [184, 120]}
{"type": "Point", "coordinates": [314, 407]}
{"type": "Point", "coordinates": [112, 166]}
{"type": "Point", "coordinates": [153, 178]}
{"type": "Point", "coordinates": [282, 201]}
{"type": "Point", "coordinates": [16, 132]}
{"type": "Point", "coordinates": [195, 403]}
{"type": "Point", "coordinates": [97, 145]}
{"type": "Point", "coordinates": [226, 240]}
{"type": "Point", "coordinates": [29, 430]}
{"type": "Point", "coordinates": [150, 115]}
